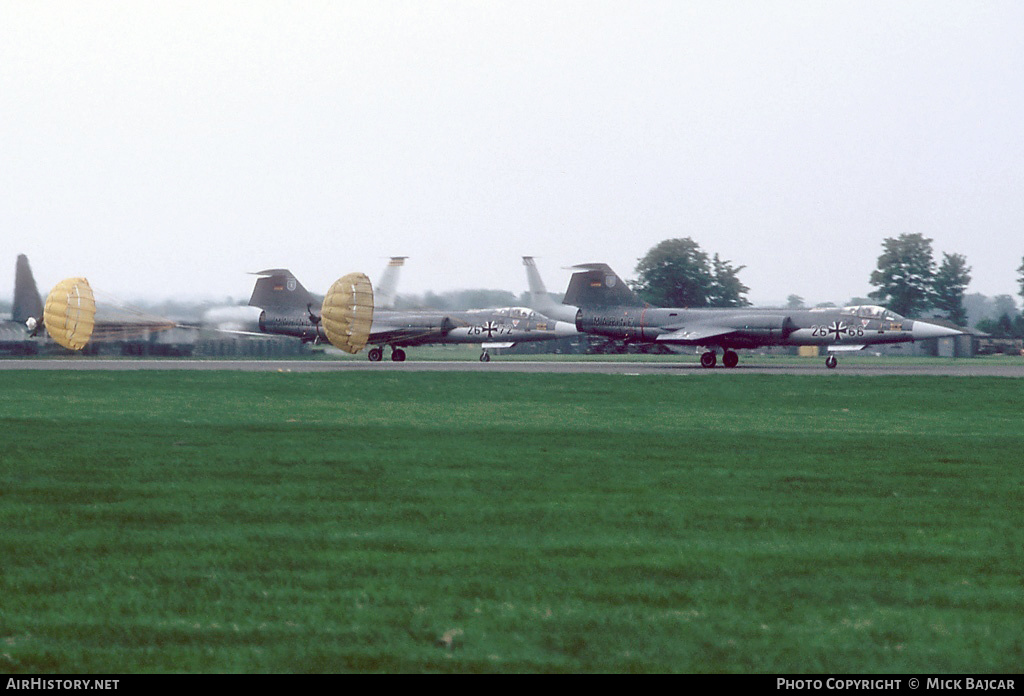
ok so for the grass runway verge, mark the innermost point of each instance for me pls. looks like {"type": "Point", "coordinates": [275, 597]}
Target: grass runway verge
{"type": "Point", "coordinates": [411, 522]}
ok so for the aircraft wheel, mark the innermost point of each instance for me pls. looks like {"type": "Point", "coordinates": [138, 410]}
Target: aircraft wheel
{"type": "Point", "coordinates": [375, 354]}
{"type": "Point", "coordinates": [831, 362]}
{"type": "Point", "coordinates": [708, 359]}
{"type": "Point", "coordinates": [398, 355]}
{"type": "Point", "coordinates": [730, 358]}
{"type": "Point", "coordinates": [485, 357]}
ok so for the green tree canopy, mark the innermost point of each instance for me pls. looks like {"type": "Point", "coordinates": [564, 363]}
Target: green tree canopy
{"type": "Point", "coordinates": [950, 284]}
{"type": "Point", "coordinates": [1020, 278]}
{"type": "Point", "coordinates": [726, 288]}
{"type": "Point", "coordinates": [905, 274]}
{"type": "Point", "coordinates": [678, 273]}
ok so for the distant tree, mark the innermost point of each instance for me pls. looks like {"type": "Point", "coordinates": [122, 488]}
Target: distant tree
{"type": "Point", "coordinates": [458, 299]}
{"type": "Point", "coordinates": [1004, 304]}
{"type": "Point", "coordinates": [1004, 326]}
{"type": "Point", "coordinates": [481, 299]}
{"type": "Point", "coordinates": [949, 285]}
{"type": "Point", "coordinates": [824, 305]}
{"type": "Point", "coordinates": [1020, 278]}
{"type": "Point", "coordinates": [794, 302]}
{"type": "Point", "coordinates": [432, 300]}
{"type": "Point", "coordinates": [905, 274]}
{"type": "Point", "coordinates": [726, 289]}
{"type": "Point", "coordinates": [676, 273]}
{"type": "Point", "coordinates": [978, 307]}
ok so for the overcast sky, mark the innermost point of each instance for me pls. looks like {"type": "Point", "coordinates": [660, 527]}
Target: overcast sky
{"type": "Point", "coordinates": [165, 149]}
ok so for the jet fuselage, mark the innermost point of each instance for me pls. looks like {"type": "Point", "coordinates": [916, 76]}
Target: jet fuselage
{"type": "Point", "coordinates": [752, 328]}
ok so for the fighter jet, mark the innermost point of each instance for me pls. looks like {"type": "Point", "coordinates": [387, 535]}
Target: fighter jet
{"type": "Point", "coordinates": [540, 300]}
{"type": "Point", "coordinates": [245, 320]}
{"type": "Point", "coordinates": [608, 307]}
{"type": "Point", "coordinates": [17, 334]}
{"type": "Point", "coordinates": [290, 309]}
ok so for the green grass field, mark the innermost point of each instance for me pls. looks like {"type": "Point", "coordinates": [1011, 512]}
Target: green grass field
{"type": "Point", "coordinates": [235, 522]}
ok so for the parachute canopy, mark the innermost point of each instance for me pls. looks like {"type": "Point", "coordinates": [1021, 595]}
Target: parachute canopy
{"type": "Point", "coordinates": [347, 312]}
{"type": "Point", "coordinates": [70, 313]}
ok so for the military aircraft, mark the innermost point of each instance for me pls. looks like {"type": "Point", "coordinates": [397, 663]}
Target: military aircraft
{"type": "Point", "coordinates": [245, 320]}
{"type": "Point", "coordinates": [540, 300]}
{"type": "Point", "coordinates": [608, 307]}
{"type": "Point", "coordinates": [18, 334]}
{"type": "Point", "coordinates": [289, 309]}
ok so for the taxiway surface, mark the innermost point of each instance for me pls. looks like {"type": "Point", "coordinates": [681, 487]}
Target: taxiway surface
{"type": "Point", "coordinates": [953, 368]}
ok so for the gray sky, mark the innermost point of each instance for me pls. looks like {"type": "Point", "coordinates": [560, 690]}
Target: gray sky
{"type": "Point", "coordinates": [164, 149]}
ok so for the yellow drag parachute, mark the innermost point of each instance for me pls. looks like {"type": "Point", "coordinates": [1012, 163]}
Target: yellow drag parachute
{"type": "Point", "coordinates": [347, 312]}
{"type": "Point", "coordinates": [70, 313]}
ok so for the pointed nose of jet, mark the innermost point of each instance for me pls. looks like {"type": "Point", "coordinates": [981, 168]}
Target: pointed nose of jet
{"type": "Point", "coordinates": [922, 330]}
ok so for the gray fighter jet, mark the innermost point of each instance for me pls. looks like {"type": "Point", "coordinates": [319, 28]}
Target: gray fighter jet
{"type": "Point", "coordinates": [19, 333]}
{"type": "Point", "coordinates": [540, 300]}
{"type": "Point", "coordinates": [608, 307]}
{"type": "Point", "coordinates": [290, 309]}
{"type": "Point", "coordinates": [244, 320]}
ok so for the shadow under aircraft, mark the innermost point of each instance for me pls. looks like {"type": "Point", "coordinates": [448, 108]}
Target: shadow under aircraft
{"type": "Point", "coordinates": [606, 306]}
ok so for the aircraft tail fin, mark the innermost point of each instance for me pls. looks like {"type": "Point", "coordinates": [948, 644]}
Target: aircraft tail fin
{"type": "Point", "coordinates": [27, 302]}
{"type": "Point", "coordinates": [386, 290]}
{"type": "Point", "coordinates": [277, 289]}
{"type": "Point", "coordinates": [540, 300]}
{"type": "Point", "coordinates": [595, 285]}
{"type": "Point", "coordinates": [537, 289]}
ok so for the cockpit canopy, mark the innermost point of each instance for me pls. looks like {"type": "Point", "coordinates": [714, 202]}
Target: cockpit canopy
{"type": "Point", "coordinates": [872, 312]}
{"type": "Point", "coordinates": [865, 312]}
{"type": "Point", "coordinates": [509, 312]}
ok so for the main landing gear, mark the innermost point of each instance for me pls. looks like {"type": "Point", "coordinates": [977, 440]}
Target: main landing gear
{"type": "Point", "coordinates": [710, 359]}
{"type": "Point", "coordinates": [376, 354]}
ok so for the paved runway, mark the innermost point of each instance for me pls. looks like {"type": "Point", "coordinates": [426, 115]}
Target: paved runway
{"type": "Point", "coordinates": [953, 368]}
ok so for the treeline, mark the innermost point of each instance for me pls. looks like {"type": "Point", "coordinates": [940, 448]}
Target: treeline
{"type": "Point", "coordinates": [462, 299]}
{"type": "Point", "coordinates": [678, 273]}
{"type": "Point", "coordinates": [907, 279]}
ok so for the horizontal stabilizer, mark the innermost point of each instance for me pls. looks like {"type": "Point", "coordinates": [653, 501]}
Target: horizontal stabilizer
{"type": "Point", "coordinates": [496, 345]}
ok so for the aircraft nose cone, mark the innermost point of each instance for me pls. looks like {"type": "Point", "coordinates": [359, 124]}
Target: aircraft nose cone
{"type": "Point", "coordinates": [922, 330]}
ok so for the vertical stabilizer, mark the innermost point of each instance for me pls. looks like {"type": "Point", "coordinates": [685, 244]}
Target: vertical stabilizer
{"type": "Point", "coordinates": [386, 291]}
{"type": "Point", "coordinates": [27, 302]}
{"type": "Point", "coordinates": [538, 293]}
{"type": "Point", "coordinates": [596, 286]}
{"type": "Point", "coordinates": [540, 300]}
{"type": "Point", "coordinates": [278, 290]}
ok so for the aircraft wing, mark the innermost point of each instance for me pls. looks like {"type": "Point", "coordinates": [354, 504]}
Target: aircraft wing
{"type": "Point", "coordinates": [384, 333]}
{"type": "Point", "coordinates": [845, 348]}
{"type": "Point", "coordinates": [696, 333]}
